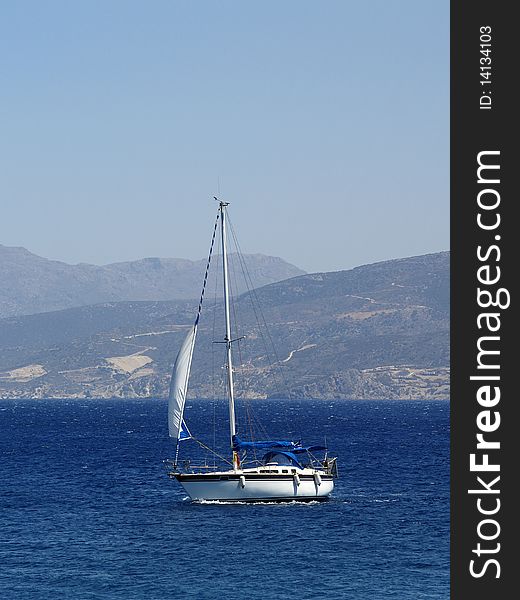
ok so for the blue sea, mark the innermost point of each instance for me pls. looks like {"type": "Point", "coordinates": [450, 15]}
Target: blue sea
{"type": "Point", "coordinates": [88, 512]}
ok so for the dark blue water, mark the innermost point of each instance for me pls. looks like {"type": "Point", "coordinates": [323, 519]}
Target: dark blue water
{"type": "Point", "coordinates": [88, 512]}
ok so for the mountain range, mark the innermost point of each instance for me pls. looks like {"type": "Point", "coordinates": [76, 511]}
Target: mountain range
{"type": "Point", "coordinates": [33, 284]}
{"type": "Point", "coordinates": [376, 331]}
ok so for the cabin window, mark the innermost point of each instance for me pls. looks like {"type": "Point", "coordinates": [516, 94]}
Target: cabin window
{"type": "Point", "coordinates": [293, 470]}
{"type": "Point", "coordinates": [285, 471]}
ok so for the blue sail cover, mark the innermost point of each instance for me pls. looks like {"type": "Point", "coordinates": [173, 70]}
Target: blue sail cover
{"type": "Point", "coordinates": [290, 456]}
{"type": "Point", "coordinates": [238, 444]}
{"type": "Point", "coordinates": [295, 447]}
{"type": "Point", "coordinates": [302, 449]}
{"type": "Point", "coordinates": [277, 448]}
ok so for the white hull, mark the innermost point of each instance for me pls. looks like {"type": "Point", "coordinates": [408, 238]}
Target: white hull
{"type": "Point", "coordinates": [248, 486]}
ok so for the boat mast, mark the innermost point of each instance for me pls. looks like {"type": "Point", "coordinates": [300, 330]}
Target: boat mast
{"type": "Point", "coordinates": [227, 339]}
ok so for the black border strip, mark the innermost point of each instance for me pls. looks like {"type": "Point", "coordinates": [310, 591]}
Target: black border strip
{"type": "Point", "coordinates": [474, 130]}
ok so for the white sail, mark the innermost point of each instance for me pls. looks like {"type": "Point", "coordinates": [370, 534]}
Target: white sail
{"type": "Point", "coordinates": [179, 384]}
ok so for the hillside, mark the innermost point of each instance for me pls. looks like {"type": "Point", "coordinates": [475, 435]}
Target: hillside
{"type": "Point", "coordinates": [32, 284]}
{"type": "Point", "coordinates": [377, 331]}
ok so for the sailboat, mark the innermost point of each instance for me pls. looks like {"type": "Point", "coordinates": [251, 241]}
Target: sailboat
{"type": "Point", "coordinates": [287, 471]}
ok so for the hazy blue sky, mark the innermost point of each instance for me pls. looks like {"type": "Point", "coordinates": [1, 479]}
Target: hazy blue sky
{"type": "Point", "coordinates": [326, 124]}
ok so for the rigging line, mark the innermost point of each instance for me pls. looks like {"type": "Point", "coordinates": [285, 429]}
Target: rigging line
{"type": "Point", "coordinates": [254, 424]}
{"type": "Point", "coordinates": [201, 298]}
{"type": "Point", "coordinates": [211, 450]}
{"type": "Point", "coordinates": [233, 295]}
{"type": "Point", "coordinates": [254, 299]}
{"type": "Point", "coordinates": [207, 269]}
{"type": "Point", "coordinates": [253, 294]}
{"type": "Point", "coordinates": [250, 417]}
{"type": "Point", "coordinates": [235, 305]}
{"type": "Point", "coordinates": [250, 286]}
{"type": "Point", "coordinates": [214, 385]}
{"type": "Point", "coordinates": [263, 431]}
{"type": "Point", "coordinates": [255, 312]}
{"type": "Point", "coordinates": [244, 347]}
{"type": "Point", "coordinates": [235, 325]}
